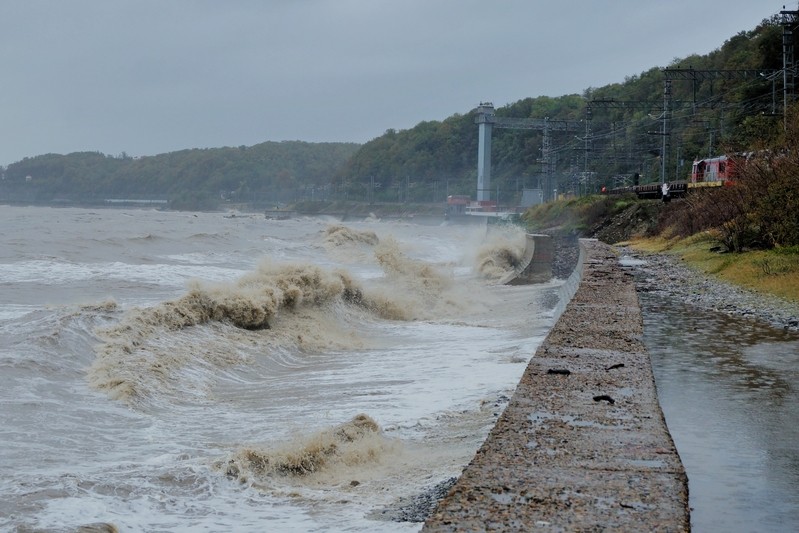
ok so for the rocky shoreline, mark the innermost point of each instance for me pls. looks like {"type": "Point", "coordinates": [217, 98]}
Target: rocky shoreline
{"type": "Point", "coordinates": [665, 275]}
{"type": "Point", "coordinates": [415, 508]}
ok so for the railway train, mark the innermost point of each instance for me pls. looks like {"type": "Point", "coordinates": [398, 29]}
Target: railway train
{"type": "Point", "coordinates": [709, 172]}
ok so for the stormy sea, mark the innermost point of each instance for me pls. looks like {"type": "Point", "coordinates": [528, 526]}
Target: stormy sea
{"type": "Point", "coordinates": [175, 371]}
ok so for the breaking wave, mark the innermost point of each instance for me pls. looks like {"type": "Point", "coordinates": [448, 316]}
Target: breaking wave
{"type": "Point", "coordinates": [337, 235]}
{"type": "Point", "coordinates": [421, 290]}
{"type": "Point", "coordinates": [149, 349]}
{"type": "Point", "coordinates": [209, 237]}
{"type": "Point", "coordinates": [176, 345]}
{"type": "Point", "coordinates": [501, 255]}
{"type": "Point", "coordinates": [356, 442]}
{"type": "Point", "coordinates": [146, 237]}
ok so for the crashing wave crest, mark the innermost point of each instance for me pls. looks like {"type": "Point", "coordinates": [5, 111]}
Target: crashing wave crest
{"type": "Point", "coordinates": [337, 235]}
{"type": "Point", "coordinates": [135, 357]}
{"type": "Point", "coordinates": [355, 442]}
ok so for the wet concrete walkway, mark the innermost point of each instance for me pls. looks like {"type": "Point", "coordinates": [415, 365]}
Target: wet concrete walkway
{"type": "Point", "coordinates": [582, 445]}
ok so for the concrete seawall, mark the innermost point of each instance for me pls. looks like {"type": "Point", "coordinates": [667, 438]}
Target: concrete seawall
{"type": "Point", "coordinates": [536, 262]}
{"type": "Point", "coordinates": [582, 445]}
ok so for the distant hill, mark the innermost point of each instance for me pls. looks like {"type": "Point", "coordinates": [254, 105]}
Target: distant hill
{"type": "Point", "coordinates": [267, 173]}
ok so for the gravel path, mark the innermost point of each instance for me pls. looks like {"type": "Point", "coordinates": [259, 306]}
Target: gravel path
{"type": "Point", "coordinates": [666, 275]}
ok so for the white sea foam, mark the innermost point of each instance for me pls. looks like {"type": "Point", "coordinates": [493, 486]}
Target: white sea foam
{"type": "Point", "coordinates": [8, 312]}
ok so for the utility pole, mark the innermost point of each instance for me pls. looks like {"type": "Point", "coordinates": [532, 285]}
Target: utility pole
{"type": "Point", "coordinates": [665, 132]}
{"type": "Point", "coordinates": [546, 159]}
{"type": "Point", "coordinates": [586, 141]}
{"type": "Point", "coordinates": [371, 190]}
{"type": "Point", "coordinates": [789, 23]}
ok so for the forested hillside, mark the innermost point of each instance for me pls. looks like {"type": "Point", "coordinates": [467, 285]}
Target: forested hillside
{"type": "Point", "coordinates": [620, 134]}
{"type": "Point", "coordinates": [264, 174]}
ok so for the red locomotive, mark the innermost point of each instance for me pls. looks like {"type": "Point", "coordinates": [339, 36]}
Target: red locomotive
{"type": "Point", "coordinates": [713, 171]}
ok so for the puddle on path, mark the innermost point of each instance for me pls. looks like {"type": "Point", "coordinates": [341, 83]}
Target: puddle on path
{"type": "Point", "coordinates": [729, 389]}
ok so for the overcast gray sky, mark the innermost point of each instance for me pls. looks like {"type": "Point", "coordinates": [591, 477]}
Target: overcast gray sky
{"type": "Point", "coordinates": [153, 76]}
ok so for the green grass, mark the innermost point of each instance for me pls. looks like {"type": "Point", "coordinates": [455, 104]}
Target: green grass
{"type": "Point", "coordinates": [774, 272]}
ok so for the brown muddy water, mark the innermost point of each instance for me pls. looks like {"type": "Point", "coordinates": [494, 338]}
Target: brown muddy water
{"type": "Point", "coordinates": [729, 389]}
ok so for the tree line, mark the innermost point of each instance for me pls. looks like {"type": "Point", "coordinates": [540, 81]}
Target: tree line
{"type": "Point", "coordinates": [265, 174]}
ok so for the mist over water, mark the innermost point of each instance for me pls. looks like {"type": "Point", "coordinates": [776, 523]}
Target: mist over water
{"type": "Point", "coordinates": [180, 371]}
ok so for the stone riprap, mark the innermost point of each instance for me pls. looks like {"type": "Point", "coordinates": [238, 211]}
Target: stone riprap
{"type": "Point", "coordinates": [582, 445]}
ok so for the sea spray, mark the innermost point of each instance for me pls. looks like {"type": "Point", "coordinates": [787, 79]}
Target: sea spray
{"type": "Point", "coordinates": [427, 291]}
{"type": "Point", "coordinates": [337, 235]}
{"type": "Point", "coordinates": [495, 261]}
{"type": "Point", "coordinates": [348, 245]}
{"type": "Point", "coordinates": [500, 254]}
{"type": "Point", "coordinates": [420, 275]}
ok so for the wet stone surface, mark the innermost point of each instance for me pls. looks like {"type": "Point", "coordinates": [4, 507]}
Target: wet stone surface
{"type": "Point", "coordinates": [416, 508]}
{"type": "Point", "coordinates": [582, 445]}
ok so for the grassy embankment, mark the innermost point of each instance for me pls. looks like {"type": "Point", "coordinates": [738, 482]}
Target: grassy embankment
{"type": "Point", "coordinates": [774, 272]}
{"type": "Point", "coordinates": [644, 226]}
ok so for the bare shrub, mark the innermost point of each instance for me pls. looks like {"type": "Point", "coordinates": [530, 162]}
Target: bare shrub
{"type": "Point", "coordinates": [723, 209]}
{"type": "Point", "coordinates": [773, 182]}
